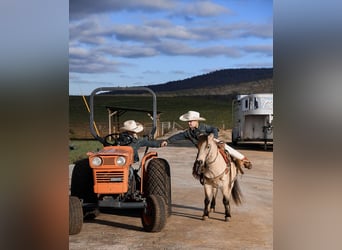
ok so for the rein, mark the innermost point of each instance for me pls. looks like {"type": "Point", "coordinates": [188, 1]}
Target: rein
{"type": "Point", "coordinates": [211, 162]}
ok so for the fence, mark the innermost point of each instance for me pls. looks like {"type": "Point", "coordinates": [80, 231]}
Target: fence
{"type": "Point", "coordinates": [82, 132]}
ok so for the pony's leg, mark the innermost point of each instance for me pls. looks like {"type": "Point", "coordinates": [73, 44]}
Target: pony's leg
{"type": "Point", "coordinates": [213, 200]}
{"type": "Point", "coordinates": [207, 193]}
{"type": "Point", "coordinates": [226, 190]}
{"type": "Point", "coordinates": [226, 208]}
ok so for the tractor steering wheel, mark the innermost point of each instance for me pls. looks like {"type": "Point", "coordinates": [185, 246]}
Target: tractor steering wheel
{"type": "Point", "coordinates": [111, 139]}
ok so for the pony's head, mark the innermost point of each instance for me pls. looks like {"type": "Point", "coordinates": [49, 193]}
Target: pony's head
{"type": "Point", "coordinates": [205, 143]}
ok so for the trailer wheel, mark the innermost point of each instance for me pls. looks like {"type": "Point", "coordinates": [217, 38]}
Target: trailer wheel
{"type": "Point", "coordinates": [75, 215]}
{"type": "Point", "coordinates": [157, 181]}
{"type": "Point", "coordinates": [153, 216]}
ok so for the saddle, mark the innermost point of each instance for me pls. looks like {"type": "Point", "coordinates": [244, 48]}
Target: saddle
{"type": "Point", "coordinates": [228, 158]}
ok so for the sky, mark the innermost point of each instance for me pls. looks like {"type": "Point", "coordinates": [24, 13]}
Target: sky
{"type": "Point", "coordinates": [141, 42]}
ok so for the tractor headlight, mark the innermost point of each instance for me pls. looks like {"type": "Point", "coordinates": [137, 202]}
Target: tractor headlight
{"type": "Point", "coordinates": [96, 161]}
{"type": "Point", "coordinates": [121, 161]}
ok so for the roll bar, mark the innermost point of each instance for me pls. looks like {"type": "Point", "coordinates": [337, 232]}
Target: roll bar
{"type": "Point", "coordinates": [122, 89]}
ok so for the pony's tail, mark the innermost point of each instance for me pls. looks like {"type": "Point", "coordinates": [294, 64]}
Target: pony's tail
{"type": "Point", "coordinates": [236, 193]}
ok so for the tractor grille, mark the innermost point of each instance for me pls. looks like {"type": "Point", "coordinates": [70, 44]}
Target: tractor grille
{"type": "Point", "coordinates": [108, 161]}
{"type": "Point", "coordinates": [109, 176]}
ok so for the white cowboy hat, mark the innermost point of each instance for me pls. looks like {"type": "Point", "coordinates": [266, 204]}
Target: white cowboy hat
{"type": "Point", "coordinates": [191, 116]}
{"type": "Point", "coordinates": [132, 126]}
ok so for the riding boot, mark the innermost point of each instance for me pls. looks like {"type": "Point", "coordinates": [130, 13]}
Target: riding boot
{"type": "Point", "coordinates": [246, 163]}
{"type": "Point", "coordinates": [237, 155]}
{"type": "Point", "coordinates": [238, 163]}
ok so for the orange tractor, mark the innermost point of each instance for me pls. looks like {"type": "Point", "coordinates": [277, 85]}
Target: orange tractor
{"type": "Point", "coordinates": [106, 179]}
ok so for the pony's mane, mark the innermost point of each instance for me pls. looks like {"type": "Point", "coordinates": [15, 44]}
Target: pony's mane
{"type": "Point", "coordinates": [202, 138]}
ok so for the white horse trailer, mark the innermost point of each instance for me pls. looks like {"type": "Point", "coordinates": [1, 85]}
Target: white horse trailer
{"type": "Point", "coordinates": [252, 117]}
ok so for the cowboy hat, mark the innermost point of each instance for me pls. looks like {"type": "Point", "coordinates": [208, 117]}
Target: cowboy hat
{"type": "Point", "coordinates": [191, 116]}
{"type": "Point", "coordinates": [132, 126]}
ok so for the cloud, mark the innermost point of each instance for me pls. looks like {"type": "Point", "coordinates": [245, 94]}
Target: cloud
{"type": "Point", "coordinates": [101, 43]}
{"type": "Point", "coordinates": [146, 33]}
{"type": "Point", "coordinates": [263, 49]}
{"type": "Point", "coordinates": [233, 31]}
{"type": "Point", "coordinates": [156, 31]}
{"type": "Point", "coordinates": [89, 31]}
{"type": "Point", "coordinates": [179, 72]}
{"type": "Point", "coordinates": [202, 9]}
{"type": "Point", "coordinates": [129, 51]}
{"type": "Point", "coordinates": [83, 61]}
{"type": "Point", "coordinates": [177, 48]}
{"type": "Point", "coordinates": [85, 8]}
{"type": "Point", "coordinates": [256, 30]}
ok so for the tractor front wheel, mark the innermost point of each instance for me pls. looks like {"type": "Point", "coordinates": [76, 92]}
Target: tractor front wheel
{"type": "Point", "coordinates": [153, 216]}
{"type": "Point", "coordinates": [75, 215]}
{"type": "Point", "coordinates": [82, 183]}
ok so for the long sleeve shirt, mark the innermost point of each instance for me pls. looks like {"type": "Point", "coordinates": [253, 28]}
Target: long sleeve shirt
{"type": "Point", "coordinates": [142, 142]}
{"type": "Point", "coordinates": [192, 134]}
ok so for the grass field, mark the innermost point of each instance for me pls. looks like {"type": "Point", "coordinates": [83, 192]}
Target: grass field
{"type": "Point", "coordinates": [216, 110]}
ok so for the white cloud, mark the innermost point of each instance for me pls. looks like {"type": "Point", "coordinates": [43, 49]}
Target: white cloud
{"type": "Point", "coordinates": [266, 50]}
{"type": "Point", "coordinates": [129, 51]}
{"type": "Point", "coordinates": [85, 8]}
{"type": "Point", "coordinates": [202, 9]}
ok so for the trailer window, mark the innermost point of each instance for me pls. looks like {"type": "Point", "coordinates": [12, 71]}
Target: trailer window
{"type": "Point", "coordinates": [246, 104]}
{"type": "Point", "coordinates": [256, 103]}
{"type": "Point", "coordinates": [250, 103]}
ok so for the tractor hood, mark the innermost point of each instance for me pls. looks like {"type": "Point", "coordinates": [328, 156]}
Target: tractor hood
{"type": "Point", "coordinates": [114, 150]}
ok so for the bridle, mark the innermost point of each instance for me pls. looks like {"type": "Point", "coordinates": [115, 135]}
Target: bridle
{"type": "Point", "coordinates": [207, 157]}
{"type": "Point", "coordinates": [225, 171]}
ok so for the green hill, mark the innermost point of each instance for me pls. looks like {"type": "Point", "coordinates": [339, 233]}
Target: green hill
{"type": "Point", "coordinates": [210, 94]}
{"type": "Point", "coordinates": [221, 82]}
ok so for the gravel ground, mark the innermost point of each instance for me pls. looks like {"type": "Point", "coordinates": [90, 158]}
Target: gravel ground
{"type": "Point", "coordinates": [251, 225]}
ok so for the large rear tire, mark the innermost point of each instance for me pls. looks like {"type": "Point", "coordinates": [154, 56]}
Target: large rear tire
{"type": "Point", "coordinates": [153, 217]}
{"type": "Point", "coordinates": [75, 215]}
{"type": "Point", "coordinates": [157, 181]}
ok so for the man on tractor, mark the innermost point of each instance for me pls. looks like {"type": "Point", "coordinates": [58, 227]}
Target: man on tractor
{"type": "Point", "coordinates": [129, 137]}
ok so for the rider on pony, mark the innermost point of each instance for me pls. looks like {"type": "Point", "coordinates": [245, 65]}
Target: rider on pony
{"type": "Point", "coordinates": [196, 128]}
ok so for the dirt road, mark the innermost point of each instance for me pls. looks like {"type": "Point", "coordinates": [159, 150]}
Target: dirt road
{"type": "Point", "coordinates": [251, 225]}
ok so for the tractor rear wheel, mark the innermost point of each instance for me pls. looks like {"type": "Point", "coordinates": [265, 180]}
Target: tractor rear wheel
{"type": "Point", "coordinates": [75, 215]}
{"type": "Point", "coordinates": [157, 181]}
{"type": "Point", "coordinates": [153, 216]}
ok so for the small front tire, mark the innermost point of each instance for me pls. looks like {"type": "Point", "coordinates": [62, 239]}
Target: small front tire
{"type": "Point", "coordinates": [75, 215]}
{"type": "Point", "coordinates": [154, 215]}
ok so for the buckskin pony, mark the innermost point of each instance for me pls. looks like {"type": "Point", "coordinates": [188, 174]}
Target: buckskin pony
{"type": "Point", "coordinates": [217, 171]}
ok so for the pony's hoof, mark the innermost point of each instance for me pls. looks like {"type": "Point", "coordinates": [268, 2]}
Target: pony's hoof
{"type": "Point", "coordinates": [205, 217]}
{"type": "Point", "coordinates": [212, 210]}
{"type": "Point", "coordinates": [226, 219]}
